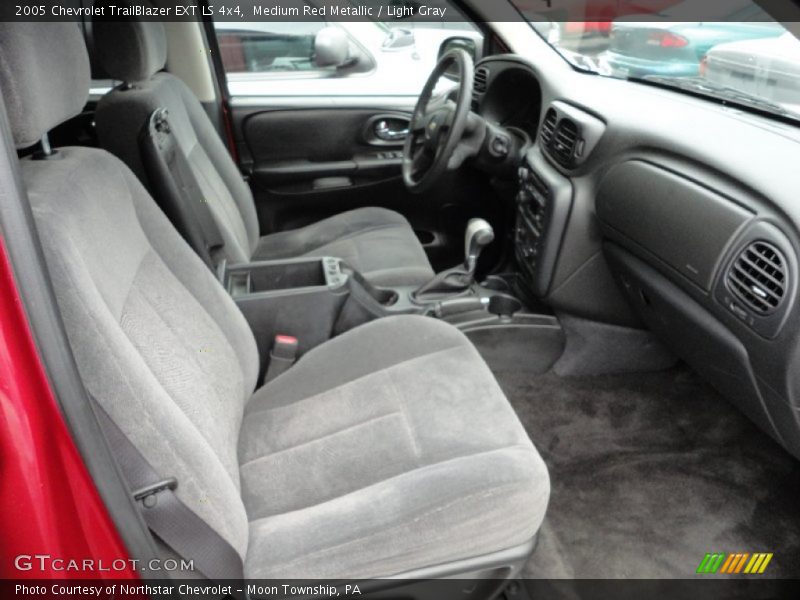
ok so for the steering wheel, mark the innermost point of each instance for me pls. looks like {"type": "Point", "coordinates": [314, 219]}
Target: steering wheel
{"type": "Point", "coordinates": [437, 125]}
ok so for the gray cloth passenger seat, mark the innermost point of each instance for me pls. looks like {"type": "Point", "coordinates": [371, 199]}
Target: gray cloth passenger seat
{"type": "Point", "coordinates": [377, 242]}
{"type": "Point", "coordinates": [387, 450]}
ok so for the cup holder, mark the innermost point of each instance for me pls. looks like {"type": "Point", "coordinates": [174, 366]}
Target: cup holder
{"type": "Point", "coordinates": [388, 297]}
{"type": "Point", "coordinates": [503, 305]}
{"type": "Point", "coordinates": [382, 296]}
{"type": "Point", "coordinates": [496, 283]}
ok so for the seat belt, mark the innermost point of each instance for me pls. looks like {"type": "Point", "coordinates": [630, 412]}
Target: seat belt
{"type": "Point", "coordinates": [282, 356]}
{"type": "Point", "coordinates": [176, 188]}
{"type": "Point", "coordinates": [164, 513]}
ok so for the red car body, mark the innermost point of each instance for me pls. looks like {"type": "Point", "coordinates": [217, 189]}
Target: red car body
{"type": "Point", "coordinates": [590, 16]}
{"type": "Point", "coordinates": [48, 502]}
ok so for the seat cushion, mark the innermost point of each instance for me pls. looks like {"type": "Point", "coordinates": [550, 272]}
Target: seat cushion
{"type": "Point", "coordinates": [387, 449]}
{"type": "Point", "coordinates": [377, 242]}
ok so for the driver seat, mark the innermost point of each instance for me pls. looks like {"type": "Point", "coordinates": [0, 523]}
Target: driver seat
{"type": "Point", "coordinates": [377, 242]}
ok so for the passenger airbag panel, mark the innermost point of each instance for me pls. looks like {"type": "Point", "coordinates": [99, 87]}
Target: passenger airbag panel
{"type": "Point", "coordinates": [679, 221]}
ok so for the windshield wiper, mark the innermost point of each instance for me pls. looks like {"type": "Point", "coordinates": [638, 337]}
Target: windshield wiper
{"type": "Point", "coordinates": [703, 87]}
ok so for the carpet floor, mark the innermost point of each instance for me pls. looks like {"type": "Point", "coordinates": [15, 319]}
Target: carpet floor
{"type": "Point", "coordinates": [650, 472]}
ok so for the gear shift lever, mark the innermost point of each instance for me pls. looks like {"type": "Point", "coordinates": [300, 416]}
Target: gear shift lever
{"type": "Point", "coordinates": [460, 278]}
{"type": "Point", "coordinates": [479, 234]}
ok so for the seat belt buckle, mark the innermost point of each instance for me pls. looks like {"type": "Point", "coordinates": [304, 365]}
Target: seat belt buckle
{"type": "Point", "coordinates": [282, 356]}
{"type": "Point", "coordinates": [147, 494]}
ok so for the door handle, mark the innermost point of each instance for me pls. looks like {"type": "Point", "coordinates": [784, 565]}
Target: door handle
{"type": "Point", "coordinates": [386, 133]}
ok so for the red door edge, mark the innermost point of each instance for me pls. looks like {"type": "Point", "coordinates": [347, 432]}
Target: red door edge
{"type": "Point", "coordinates": [53, 522]}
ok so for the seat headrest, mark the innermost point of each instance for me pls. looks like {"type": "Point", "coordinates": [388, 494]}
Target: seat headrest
{"type": "Point", "coordinates": [128, 48]}
{"type": "Point", "coordinates": [44, 76]}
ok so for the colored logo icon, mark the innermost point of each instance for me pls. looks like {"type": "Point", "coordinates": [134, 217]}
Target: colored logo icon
{"type": "Point", "coordinates": [735, 563]}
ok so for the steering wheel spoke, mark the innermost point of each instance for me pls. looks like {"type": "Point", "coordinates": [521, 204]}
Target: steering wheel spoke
{"type": "Point", "coordinates": [421, 160]}
{"type": "Point", "coordinates": [436, 103]}
{"type": "Point", "coordinates": [417, 124]}
{"type": "Point", "coordinates": [450, 116]}
{"type": "Point", "coordinates": [447, 121]}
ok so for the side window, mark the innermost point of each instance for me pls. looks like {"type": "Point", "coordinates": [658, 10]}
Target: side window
{"type": "Point", "coordinates": [100, 87]}
{"type": "Point", "coordinates": [337, 58]}
{"type": "Point", "coordinates": [265, 48]}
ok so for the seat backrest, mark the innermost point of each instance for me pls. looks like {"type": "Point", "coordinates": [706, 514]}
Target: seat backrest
{"type": "Point", "coordinates": [135, 52]}
{"type": "Point", "coordinates": [157, 340]}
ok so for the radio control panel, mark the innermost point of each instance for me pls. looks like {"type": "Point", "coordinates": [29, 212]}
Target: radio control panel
{"type": "Point", "coordinates": [543, 201]}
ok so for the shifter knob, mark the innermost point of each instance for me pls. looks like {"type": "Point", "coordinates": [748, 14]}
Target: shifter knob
{"type": "Point", "coordinates": [479, 234]}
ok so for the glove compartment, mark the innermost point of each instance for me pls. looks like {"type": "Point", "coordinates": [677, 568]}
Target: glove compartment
{"type": "Point", "coordinates": [670, 217]}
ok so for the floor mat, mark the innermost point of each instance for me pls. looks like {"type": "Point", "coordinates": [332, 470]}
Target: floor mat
{"type": "Point", "coordinates": [649, 473]}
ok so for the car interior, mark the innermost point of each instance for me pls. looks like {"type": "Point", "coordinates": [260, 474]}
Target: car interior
{"type": "Point", "coordinates": [533, 323]}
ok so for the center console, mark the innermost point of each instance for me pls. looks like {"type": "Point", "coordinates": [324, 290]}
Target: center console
{"type": "Point", "coordinates": [314, 299]}
{"type": "Point", "coordinates": [300, 297]}
{"type": "Point", "coordinates": [544, 201]}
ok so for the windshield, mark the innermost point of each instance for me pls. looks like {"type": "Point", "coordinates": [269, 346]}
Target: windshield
{"type": "Point", "coordinates": [742, 57]}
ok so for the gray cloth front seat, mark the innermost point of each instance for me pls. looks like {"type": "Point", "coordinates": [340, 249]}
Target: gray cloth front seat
{"type": "Point", "coordinates": [377, 242]}
{"type": "Point", "coordinates": [384, 451]}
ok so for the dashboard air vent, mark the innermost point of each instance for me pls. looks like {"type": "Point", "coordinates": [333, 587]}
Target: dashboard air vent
{"type": "Point", "coordinates": [758, 277]}
{"type": "Point", "coordinates": [548, 126]}
{"type": "Point", "coordinates": [481, 80]}
{"type": "Point", "coordinates": [566, 136]}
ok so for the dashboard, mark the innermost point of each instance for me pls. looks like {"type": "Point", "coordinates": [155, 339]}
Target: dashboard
{"type": "Point", "coordinates": [644, 207]}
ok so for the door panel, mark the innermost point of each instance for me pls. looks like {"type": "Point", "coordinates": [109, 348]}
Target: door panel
{"type": "Point", "coordinates": [315, 134]}
{"type": "Point", "coordinates": [306, 164]}
{"type": "Point", "coordinates": [317, 149]}
{"type": "Point", "coordinates": [318, 139]}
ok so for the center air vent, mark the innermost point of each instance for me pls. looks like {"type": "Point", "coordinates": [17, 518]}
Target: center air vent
{"type": "Point", "coordinates": [559, 138]}
{"type": "Point", "coordinates": [568, 134]}
{"type": "Point", "coordinates": [481, 80]}
{"type": "Point", "coordinates": [548, 126]}
{"type": "Point", "coordinates": [758, 277]}
{"type": "Point", "coordinates": [566, 137]}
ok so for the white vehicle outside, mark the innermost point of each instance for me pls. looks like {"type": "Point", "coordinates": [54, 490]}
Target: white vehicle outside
{"type": "Point", "coordinates": [391, 61]}
{"type": "Point", "coordinates": [766, 68]}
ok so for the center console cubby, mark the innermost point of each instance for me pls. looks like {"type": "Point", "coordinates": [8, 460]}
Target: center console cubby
{"type": "Point", "coordinates": [299, 297]}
